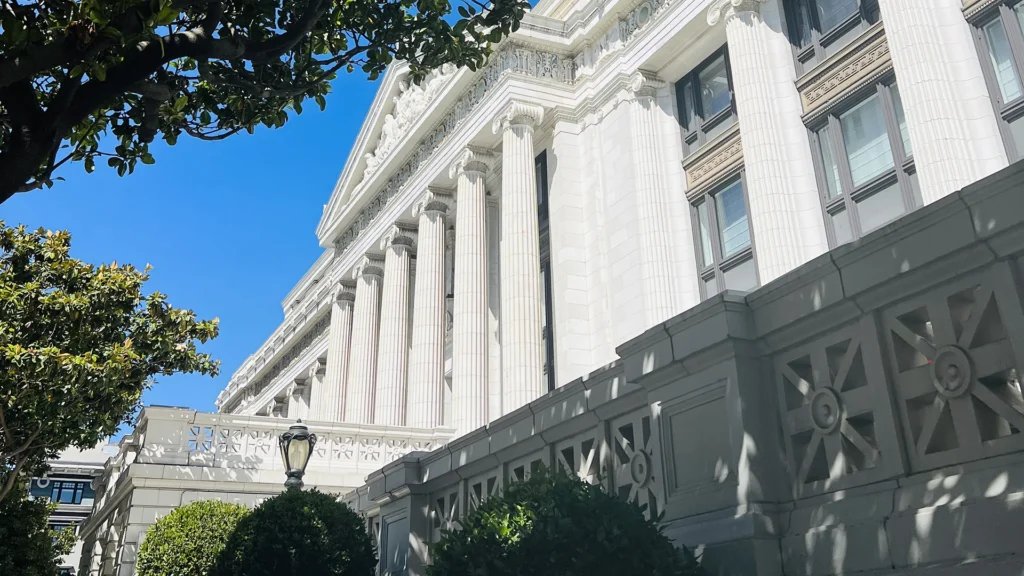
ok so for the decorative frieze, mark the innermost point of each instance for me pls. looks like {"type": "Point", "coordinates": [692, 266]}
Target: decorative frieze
{"type": "Point", "coordinates": [716, 161]}
{"type": "Point", "coordinates": [859, 64]}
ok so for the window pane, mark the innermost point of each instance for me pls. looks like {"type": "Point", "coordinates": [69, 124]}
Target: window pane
{"type": "Point", "coordinates": [711, 286]}
{"type": "Point", "coordinates": [686, 114]}
{"type": "Point", "coordinates": [1002, 61]}
{"type": "Point", "coordinates": [1017, 132]}
{"type": "Point", "coordinates": [880, 208]}
{"type": "Point", "coordinates": [742, 278]}
{"type": "Point", "coordinates": [801, 23]}
{"type": "Point", "coordinates": [831, 13]}
{"type": "Point", "coordinates": [867, 143]}
{"type": "Point", "coordinates": [841, 226]}
{"type": "Point", "coordinates": [732, 219]}
{"type": "Point", "coordinates": [705, 235]}
{"type": "Point", "coordinates": [714, 88]}
{"type": "Point", "coordinates": [901, 120]}
{"type": "Point", "coordinates": [828, 162]}
{"type": "Point", "coordinates": [719, 128]}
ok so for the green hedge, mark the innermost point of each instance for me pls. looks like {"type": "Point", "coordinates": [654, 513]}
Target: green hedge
{"type": "Point", "coordinates": [188, 541]}
{"type": "Point", "coordinates": [556, 524]}
{"type": "Point", "coordinates": [299, 533]}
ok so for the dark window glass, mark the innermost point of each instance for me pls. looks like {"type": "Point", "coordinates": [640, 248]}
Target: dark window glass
{"type": "Point", "coordinates": [67, 492]}
{"type": "Point", "coordinates": [865, 166]}
{"type": "Point", "coordinates": [819, 28]}
{"type": "Point", "coordinates": [723, 240]}
{"type": "Point", "coordinates": [999, 34]}
{"type": "Point", "coordinates": [705, 102]}
{"type": "Point", "coordinates": [547, 335]}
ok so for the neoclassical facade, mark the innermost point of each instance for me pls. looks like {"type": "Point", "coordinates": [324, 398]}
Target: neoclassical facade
{"type": "Point", "coordinates": [752, 263]}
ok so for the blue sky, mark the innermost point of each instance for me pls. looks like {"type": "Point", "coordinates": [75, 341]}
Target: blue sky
{"type": "Point", "coordinates": [227, 226]}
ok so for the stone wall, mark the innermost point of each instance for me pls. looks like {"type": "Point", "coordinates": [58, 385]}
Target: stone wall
{"type": "Point", "coordinates": [861, 414]}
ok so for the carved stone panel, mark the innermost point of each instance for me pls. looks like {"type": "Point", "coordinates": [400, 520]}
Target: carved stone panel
{"type": "Point", "coordinates": [582, 455]}
{"type": "Point", "coordinates": [634, 449]}
{"type": "Point", "coordinates": [864, 61]}
{"type": "Point", "coordinates": [955, 353]}
{"type": "Point", "coordinates": [837, 417]}
{"type": "Point", "coordinates": [521, 468]}
{"type": "Point", "coordinates": [445, 511]}
{"type": "Point", "coordinates": [482, 487]}
{"type": "Point", "coordinates": [714, 162]}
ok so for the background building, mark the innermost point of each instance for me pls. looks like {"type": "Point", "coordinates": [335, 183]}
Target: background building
{"type": "Point", "coordinates": [649, 242]}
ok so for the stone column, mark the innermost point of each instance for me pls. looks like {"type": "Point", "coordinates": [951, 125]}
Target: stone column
{"type": "Point", "coordinates": [522, 351]}
{"type": "Point", "coordinates": [953, 128]}
{"type": "Point", "coordinates": [393, 356]}
{"type": "Point", "coordinates": [328, 400]}
{"type": "Point", "coordinates": [469, 322]}
{"type": "Point", "coordinates": [426, 371]}
{"type": "Point", "coordinates": [659, 273]}
{"type": "Point", "coordinates": [297, 406]}
{"type": "Point", "coordinates": [785, 209]}
{"type": "Point", "coordinates": [362, 371]}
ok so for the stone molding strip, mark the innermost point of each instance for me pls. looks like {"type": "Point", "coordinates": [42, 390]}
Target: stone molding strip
{"type": "Point", "coordinates": [859, 64]}
{"type": "Point", "coordinates": [716, 161]}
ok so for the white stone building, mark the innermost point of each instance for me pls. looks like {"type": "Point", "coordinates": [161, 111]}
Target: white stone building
{"type": "Point", "coordinates": [726, 257]}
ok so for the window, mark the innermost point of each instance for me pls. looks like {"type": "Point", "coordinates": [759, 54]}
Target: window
{"type": "Point", "coordinates": [704, 98]}
{"type": "Point", "coordinates": [1000, 38]}
{"type": "Point", "coordinates": [725, 250]}
{"type": "Point", "coordinates": [541, 171]}
{"type": "Point", "coordinates": [67, 492]}
{"type": "Point", "coordinates": [819, 28]}
{"type": "Point", "coordinates": [864, 161]}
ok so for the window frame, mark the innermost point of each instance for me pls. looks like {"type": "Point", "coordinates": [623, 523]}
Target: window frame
{"type": "Point", "coordinates": [824, 43]}
{"type": "Point", "coordinates": [60, 487]}
{"type": "Point", "coordinates": [1006, 112]}
{"type": "Point", "coordinates": [902, 172]}
{"type": "Point", "coordinates": [543, 219]}
{"type": "Point", "coordinates": [720, 265]}
{"type": "Point", "coordinates": [695, 138]}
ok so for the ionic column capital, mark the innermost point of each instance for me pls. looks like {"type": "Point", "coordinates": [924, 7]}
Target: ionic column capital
{"type": "Point", "coordinates": [399, 237]}
{"type": "Point", "coordinates": [344, 292]}
{"type": "Point", "coordinates": [435, 199]}
{"type": "Point", "coordinates": [518, 113]}
{"type": "Point", "coordinates": [730, 8]}
{"type": "Point", "coordinates": [370, 266]}
{"type": "Point", "coordinates": [472, 159]}
{"type": "Point", "coordinates": [644, 84]}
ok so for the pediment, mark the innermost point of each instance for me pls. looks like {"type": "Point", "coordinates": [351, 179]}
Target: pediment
{"type": "Point", "coordinates": [397, 109]}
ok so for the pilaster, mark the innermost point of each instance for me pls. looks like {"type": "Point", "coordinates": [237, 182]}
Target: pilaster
{"type": "Point", "coordinates": [328, 400]}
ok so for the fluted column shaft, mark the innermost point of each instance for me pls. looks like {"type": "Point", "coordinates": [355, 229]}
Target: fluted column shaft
{"type": "Point", "coordinates": [365, 329]}
{"type": "Point", "coordinates": [659, 285]}
{"type": "Point", "coordinates": [953, 128]}
{"type": "Point", "coordinates": [393, 355]}
{"type": "Point", "coordinates": [522, 348]}
{"type": "Point", "coordinates": [469, 318]}
{"type": "Point", "coordinates": [328, 400]}
{"type": "Point", "coordinates": [785, 210]}
{"type": "Point", "coordinates": [426, 373]}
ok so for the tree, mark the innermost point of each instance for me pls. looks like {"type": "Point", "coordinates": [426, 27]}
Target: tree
{"type": "Point", "coordinates": [72, 71]}
{"type": "Point", "coordinates": [28, 547]}
{"type": "Point", "coordinates": [299, 533]}
{"type": "Point", "coordinates": [78, 345]}
{"type": "Point", "coordinates": [554, 523]}
{"type": "Point", "coordinates": [188, 541]}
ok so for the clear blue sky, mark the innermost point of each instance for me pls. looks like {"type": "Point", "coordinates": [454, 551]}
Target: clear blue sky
{"type": "Point", "coordinates": [227, 226]}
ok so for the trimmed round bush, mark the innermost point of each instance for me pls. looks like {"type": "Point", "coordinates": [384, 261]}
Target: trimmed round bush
{"type": "Point", "coordinates": [554, 523]}
{"type": "Point", "coordinates": [188, 541]}
{"type": "Point", "coordinates": [299, 533]}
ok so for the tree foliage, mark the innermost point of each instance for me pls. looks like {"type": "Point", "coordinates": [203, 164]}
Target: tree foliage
{"type": "Point", "coordinates": [72, 71]}
{"type": "Point", "coordinates": [299, 533]}
{"type": "Point", "coordinates": [188, 541]}
{"type": "Point", "coordinates": [27, 546]}
{"type": "Point", "coordinates": [554, 523]}
{"type": "Point", "coordinates": [78, 345]}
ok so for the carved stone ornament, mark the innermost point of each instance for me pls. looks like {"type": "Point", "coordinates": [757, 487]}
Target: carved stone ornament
{"type": "Point", "coordinates": [345, 293]}
{"type": "Point", "coordinates": [472, 159]}
{"type": "Point", "coordinates": [729, 8]}
{"type": "Point", "coordinates": [398, 236]}
{"type": "Point", "coordinates": [644, 84]}
{"type": "Point", "coordinates": [435, 199]}
{"type": "Point", "coordinates": [370, 266]}
{"type": "Point", "coordinates": [518, 113]}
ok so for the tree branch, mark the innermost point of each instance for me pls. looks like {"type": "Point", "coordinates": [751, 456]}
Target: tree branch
{"type": "Point", "coordinates": [278, 45]}
{"type": "Point", "coordinates": [13, 477]}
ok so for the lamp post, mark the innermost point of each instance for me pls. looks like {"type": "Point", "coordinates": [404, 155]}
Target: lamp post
{"type": "Point", "coordinates": [296, 447]}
